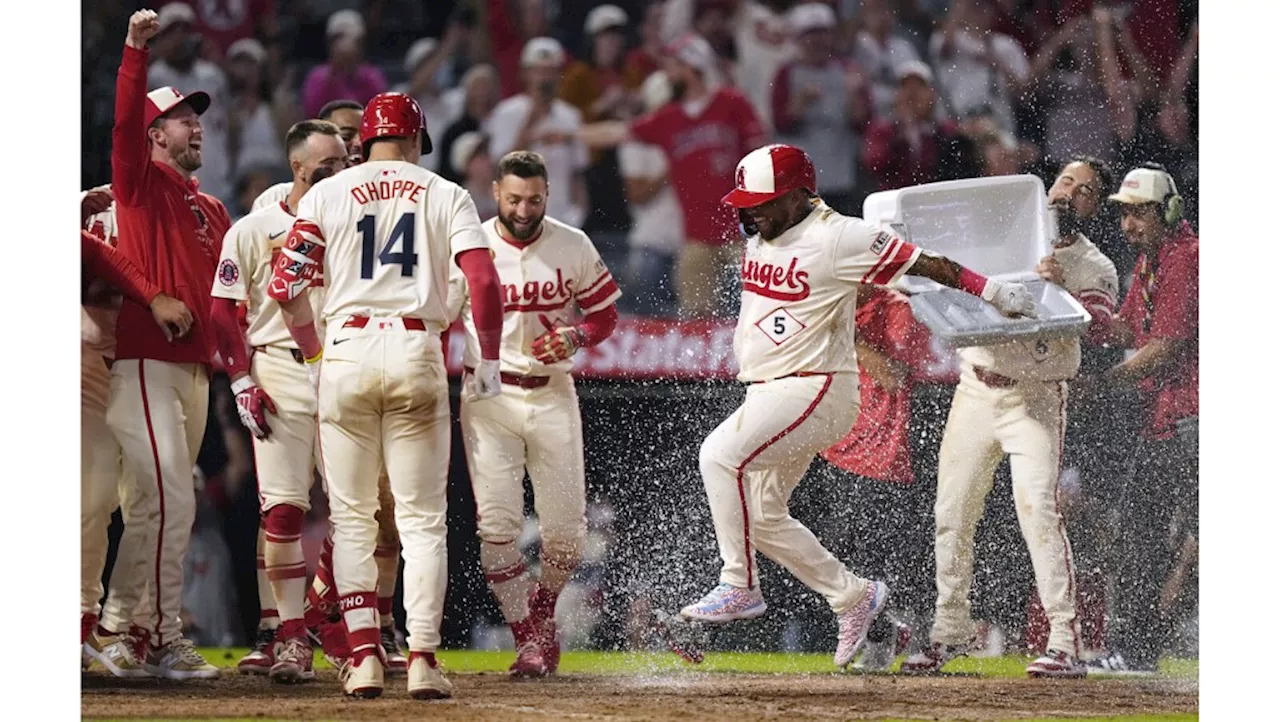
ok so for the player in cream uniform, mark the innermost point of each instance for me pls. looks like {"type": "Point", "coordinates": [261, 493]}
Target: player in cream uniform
{"type": "Point", "coordinates": [274, 396]}
{"type": "Point", "coordinates": [794, 346]}
{"type": "Point", "coordinates": [546, 268]}
{"type": "Point", "coordinates": [343, 113]}
{"type": "Point", "coordinates": [384, 234]}
{"type": "Point", "coordinates": [1012, 399]}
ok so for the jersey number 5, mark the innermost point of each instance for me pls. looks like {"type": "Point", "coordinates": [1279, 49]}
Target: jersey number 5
{"type": "Point", "coordinates": [406, 258]}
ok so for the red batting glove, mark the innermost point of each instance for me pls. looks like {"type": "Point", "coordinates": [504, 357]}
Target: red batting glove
{"type": "Point", "coordinates": [558, 344]}
{"type": "Point", "coordinates": [252, 403]}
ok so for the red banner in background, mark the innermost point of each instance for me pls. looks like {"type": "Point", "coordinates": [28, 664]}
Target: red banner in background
{"type": "Point", "coordinates": [645, 349]}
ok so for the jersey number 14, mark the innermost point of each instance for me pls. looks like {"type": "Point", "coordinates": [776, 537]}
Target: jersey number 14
{"type": "Point", "coordinates": [401, 233]}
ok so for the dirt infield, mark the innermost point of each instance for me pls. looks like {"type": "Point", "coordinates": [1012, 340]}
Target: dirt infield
{"type": "Point", "coordinates": [690, 695]}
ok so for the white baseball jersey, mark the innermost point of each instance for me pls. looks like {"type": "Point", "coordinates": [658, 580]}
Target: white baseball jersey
{"type": "Point", "coordinates": [98, 325]}
{"type": "Point", "coordinates": [387, 233]}
{"type": "Point", "coordinates": [249, 250]}
{"type": "Point", "coordinates": [541, 283]}
{"type": "Point", "coordinates": [273, 195]}
{"type": "Point", "coordinates": [1089, 276]}
{"type": "Point", "coordinates": [799, 293]}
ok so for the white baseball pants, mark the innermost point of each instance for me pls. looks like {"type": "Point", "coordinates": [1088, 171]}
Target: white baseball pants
{"type": "Point", "coordinates": [384, 398]}
{"type": "Point", "coordinates": [157, 412]}
{"type": "Point", "coordinates": [1025, 421]}
{"type": "Point", "coordinates": [752, 462]}
{"type": "Point", "coordinates": [285, 461]}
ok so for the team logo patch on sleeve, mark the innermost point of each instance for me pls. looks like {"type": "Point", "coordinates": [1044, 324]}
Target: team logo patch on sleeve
{"type": "Point", "coordinates": [228, 274]}
{"type": "Point", "coordinates": [881, 241]}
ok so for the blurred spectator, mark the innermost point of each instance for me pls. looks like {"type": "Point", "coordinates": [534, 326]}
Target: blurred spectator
{"type": "Point", "coordinates": [998, 154]}
{"type": "Point", "coordinates": [711, 21]}
{"type": "Point", "coordinates": [470, 153]}
{"type": "Point", "coordinates": [910, 147]}
{"type": "Point", "coordinates": [250, 184]}
{"type": "Point", "coordinates": [176, 61]}
{"type": "Point", "coordinates": [657, 230]}
{"type": "Point", "coordinates": [254, 127]}
{"type": "Point", "coordinates": [422, 64]}
{"type": "Point", "coordinates": [979, 70]}
{"type": "Point", "coordinates": [222, 22]}
{"type": "Point", "coordinates": [479, 94]}
{"type": "Point", "coordinates": [345, 76]}
{"type": "Point", "coordinates": [537, 120]}
{"type": "Point", "coordinates": [512, 24]}
{"type": "Point", "coordinates": [822, 104]}
{"type": "Point", "coordinates": [644, 60]}
{"type": "Point", "coordinates": [763, 40]}
{"type": "Point", "coordinates": [879, 50]}
{"type": "Point", "coordinates": [208, 595]}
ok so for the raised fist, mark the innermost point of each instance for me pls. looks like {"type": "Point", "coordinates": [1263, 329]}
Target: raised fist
{"type": "Point", "coordinates": [143, 25]}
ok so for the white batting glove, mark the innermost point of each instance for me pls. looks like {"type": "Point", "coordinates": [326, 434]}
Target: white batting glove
{"type": "Point", "coordinates": [485, 383]}
{"type": "Point", "coordinates": [1011, 299]}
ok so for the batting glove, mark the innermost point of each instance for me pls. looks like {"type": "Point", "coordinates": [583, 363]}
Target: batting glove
{"type": "Point", "coordinates": [558, 344]}
{"type": "Point", "coordinates": [1011, 299]}
{"type": "Point", "coordinates": [252, 403]}
{"type": "Point", "coordinates": [485, 383]}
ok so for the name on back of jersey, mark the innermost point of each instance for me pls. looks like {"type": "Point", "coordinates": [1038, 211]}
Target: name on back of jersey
{"type": "Point", "coordinates": [374, 191]}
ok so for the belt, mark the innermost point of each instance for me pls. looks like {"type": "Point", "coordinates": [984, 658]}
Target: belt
{"type": "Point", "coordinates": [798, 374]}
{"type": "Point", "coordinates": [994, 380]}
{"type": "Point", "coordinates": [271, 350]}
{"type": "Point", "coordinates": [524, 382]}
{"type": "Point", "coordinates": [410, 324]}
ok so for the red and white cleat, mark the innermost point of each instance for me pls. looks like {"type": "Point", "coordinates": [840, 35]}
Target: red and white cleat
{"type": "Point", "coordinates": [261, 656]}
{"type": "Point", "coordinates": [1057, 664]}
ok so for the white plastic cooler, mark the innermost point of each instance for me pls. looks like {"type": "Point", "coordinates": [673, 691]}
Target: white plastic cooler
{"type": "Point", "coordinates": [1000, 227]}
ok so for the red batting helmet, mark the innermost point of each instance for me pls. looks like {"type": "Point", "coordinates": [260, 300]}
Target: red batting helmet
{"type": "Point", "coordinates": [768, 172]}
{"type": "Point", "coordinates": [392, 115]}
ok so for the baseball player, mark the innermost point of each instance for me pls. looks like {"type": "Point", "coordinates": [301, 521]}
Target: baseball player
{"type": "Point", "coordinates": [273, 393]}
{"type": "Point", "coordinates": [384, 234]}
{"type": "Point", "coordinates": [159, 394]}
{"type": "Point", "coordinates": [794, 344]}
{"type": "Point", "coordinates": [1012, 399]}
{"type": "Point", "coordinates": [343, 113]}
{"type": "Point", "coordinates": [546, 267]}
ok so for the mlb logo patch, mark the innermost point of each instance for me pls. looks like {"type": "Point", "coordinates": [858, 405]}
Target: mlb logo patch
{"type": "Point", "coordinates": [228, 274]}
{"type": "Point", "coordinates": [881, 242]}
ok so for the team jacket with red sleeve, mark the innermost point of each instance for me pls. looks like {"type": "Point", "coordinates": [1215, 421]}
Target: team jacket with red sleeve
{"type": "Point", "coordinates": [99, 260]}
{"type": "Point", "coordinates": [167, 228]}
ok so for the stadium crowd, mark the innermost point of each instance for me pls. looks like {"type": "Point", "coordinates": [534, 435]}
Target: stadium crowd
{"type": "Point", "coordinates": [881, 94]}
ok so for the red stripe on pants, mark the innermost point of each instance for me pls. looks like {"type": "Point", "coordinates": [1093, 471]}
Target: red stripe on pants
{"type": "Point", "coordinates": [155, 455]}
{"type": "Point", "coordinates": [1062, 523]}
{"type": "Point", "coordinates": [742, 494]}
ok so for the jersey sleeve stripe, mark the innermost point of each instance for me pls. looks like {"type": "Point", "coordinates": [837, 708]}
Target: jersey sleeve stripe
{"type": "Point", "coordinates": [904, 254]}
{"type": "Point", "coordinates": [888, 253]}
{"type": "Point", "coordinates": [603, 304]}
{"type": "Point", "coordinates": [1093, 295]}
{"type": "Point", "coordinates": [311, 231]}
{"type": "Point", "coordinates": [598, 296]}
{"type": "Point", "coordinates": [606, 276]}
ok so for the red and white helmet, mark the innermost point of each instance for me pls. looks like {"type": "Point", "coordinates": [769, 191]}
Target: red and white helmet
{"type": "Point", "coordinates": [392, 115]}
{"type": "Point", "coordinates": [768, 172]}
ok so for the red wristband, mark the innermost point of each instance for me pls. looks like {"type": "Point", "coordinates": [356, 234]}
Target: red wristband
{"type": "Point", "coordinates": [971, 282]}
{"type": "Point", "coordinates": [307, 340]}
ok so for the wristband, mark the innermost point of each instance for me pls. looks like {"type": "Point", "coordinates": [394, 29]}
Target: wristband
{"type": "Point", "coordinates": [317, 357]}
{"type": "Point", "coordinates": [972, 283]}
{"type": "Point", "coordinates": [244, 383]}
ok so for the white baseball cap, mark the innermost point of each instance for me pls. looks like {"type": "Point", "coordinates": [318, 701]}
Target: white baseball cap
{"type": "Point", "coordinates": [174, 13]}
{"type": "Point", "coordinates": [914, 69]}
{"type": "Point", "coordinates": [605, 17]}
{"type": "Point", "coordinates": [250, 47]}
{"type": "Point", "coordinates": [418, 52]}
{"type": "Point", "coordinates": [1144, 185]}
{"type": "Point", "coordinates": [694, 51]}
{"type": "Point", "coordinates": [345, 23]}
{"type": "Point", "coordinates": [542, 51]}
{"type": "Point", "coordinates": [464, 149]}
{"type": "Point", "coordinates": [655, 90]}
{"type": "Point", "coordinates": [811, 16]}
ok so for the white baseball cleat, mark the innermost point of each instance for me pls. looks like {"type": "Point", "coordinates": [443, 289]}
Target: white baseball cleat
{"type": "Point", "coordinates": [726, 603]}
{"type": "Point", "coordinates": [856, 621]}
{"type": "Point", "coordinates": [1059, 664]}
{"type": "Point", "coordinates": [364, 679]}
{"type": "Point", "coordinates": [179, 660]}
{"type": "Point", "coordinates": [427, 681]}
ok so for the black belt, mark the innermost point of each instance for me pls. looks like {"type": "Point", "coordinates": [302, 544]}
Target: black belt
{"type": "Point", "coordinates": [297, 355]}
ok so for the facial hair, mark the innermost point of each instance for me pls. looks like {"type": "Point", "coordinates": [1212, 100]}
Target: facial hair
{"type": "Point", "coordinates": [678, 89]}
{"type": "Point", "coordinates": [189, 160]}
{"type": "Point", "coordinates": [319, 174]}
{"type": "Point", "coordinates": [1069, 222]}
{"type": "Point", "coordinates": [509, 223]}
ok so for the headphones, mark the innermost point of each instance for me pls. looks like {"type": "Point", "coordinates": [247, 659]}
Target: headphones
{"type": "Point", "coordinates": [1171, 205]}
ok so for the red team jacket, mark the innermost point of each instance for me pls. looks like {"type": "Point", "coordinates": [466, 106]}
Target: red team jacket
{"type": "Point", "coordinates": [167, 228]}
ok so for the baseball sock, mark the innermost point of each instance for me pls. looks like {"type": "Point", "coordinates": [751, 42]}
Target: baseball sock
{"type": "Point", "coordinates": [555, 575]}
{"type": "Point", "coordinates": [286, 567]}
{"type": "Point", "coordinates": [388, 560]}
{"type": "Point", "coordinates": [268, 617]}
{"type": "Point", "coordinates": [360, 612]}
{"type": "Point", "coordinates": [505, 571]}
{"type": "Point", "coordinates": [322, 595]}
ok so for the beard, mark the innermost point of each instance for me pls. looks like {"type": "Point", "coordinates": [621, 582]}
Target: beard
{"type": "Point", "coordinates": [319, 174]}
{"type": "Point", "coordinates": [1069, 222]}
{"type": "Point", "coordinates": [678, 90]}
{"type": "Point", "coordinates": [509, 223]}
{"type": "Point", "coordinates": [189, 160]}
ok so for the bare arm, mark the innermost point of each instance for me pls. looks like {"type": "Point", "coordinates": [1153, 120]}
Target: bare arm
{"type": "Point", "coordinates": [887, 372]}
{"type": "Point", "coordinates": [1124, 119]}
{"type": "Point", "coordinates": [937, 268]}
{"type": "Point", "coordinates": [605, 134]}
{"type": "Point", "coordinates": [1157, 355]}
{"type": "Point", "coordinates": [643, 190]}
{"type": "Point", "coordinates": [1180, 76]}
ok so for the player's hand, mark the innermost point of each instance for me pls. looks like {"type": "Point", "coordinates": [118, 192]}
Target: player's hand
{"type": "Point", "coordinates": [1011, 299]}
{"type": "Point", "coordinates": [485, 383]}
{"type": "Point", "coordinates": [1050, 270]}
{"type": "Point", "coordinates": [143, 25]}
{"type": "Point", "coordinates": [252, 403]}
{"type": "Point", "coordinates": [558, 343]}
{"type": "Point", "coordinates": [96, 200]}
{"type": "Point", "coordinates": [172, 315]}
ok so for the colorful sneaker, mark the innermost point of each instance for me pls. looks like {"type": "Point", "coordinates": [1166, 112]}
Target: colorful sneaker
{"type": "Point", "coordinates": [1056, 663]}
{"type": "Point", "coordinates": [879, 655]}
{"type": "Point", "coordinates": [529, 661]}
{"type": "Point", "coordinates": [725, 603]}
{"type": "Point", "coordinates": [88, 623]}
{"type": "Point", "coordinates": [856, 621]}
{"type": "Point", "coordinates": [179, 660]}
{"type": "Point", "coordinates": [1115, 665]}
{"type": "Point", "coordinates": [261, 656]}
{"type": "Point", "coordinates": [426, 678]}
{"type": "Point", "coordinates": [293, 661]}
{"type": "Point", "coordinates": [933, 658]}
{"type": "Point", "coordinates": [396, 662]}
{"type": "Point", "coordinates": [115, 652]}
{"type": "Point", "coordinates": [362, 680]}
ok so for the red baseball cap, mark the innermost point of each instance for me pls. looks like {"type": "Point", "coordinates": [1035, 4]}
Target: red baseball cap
{"type": "Point", "coordinates": [768, 172]}
{"type": "Point", "coordinates": [163, 100]}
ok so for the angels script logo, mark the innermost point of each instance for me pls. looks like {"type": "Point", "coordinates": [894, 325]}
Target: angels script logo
{"type": "Point", "coordinates": [770, 281]}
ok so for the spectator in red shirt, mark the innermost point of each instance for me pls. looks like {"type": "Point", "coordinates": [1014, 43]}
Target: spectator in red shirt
{"type": "Point", "coordinates": [911, 147]}
{"type": "Point", "coordinates": [1160, 319]}
{"type": "Point", "coordinates": [223, 22]}
{"type": "Point", "coordinates": [511, 24]}
{"type": "Point", "coordinates": [703, 131]}
{"type": "Point", "coordinates": [345, 76]}
{"type": "Point", "coordinates": [159, 389]}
